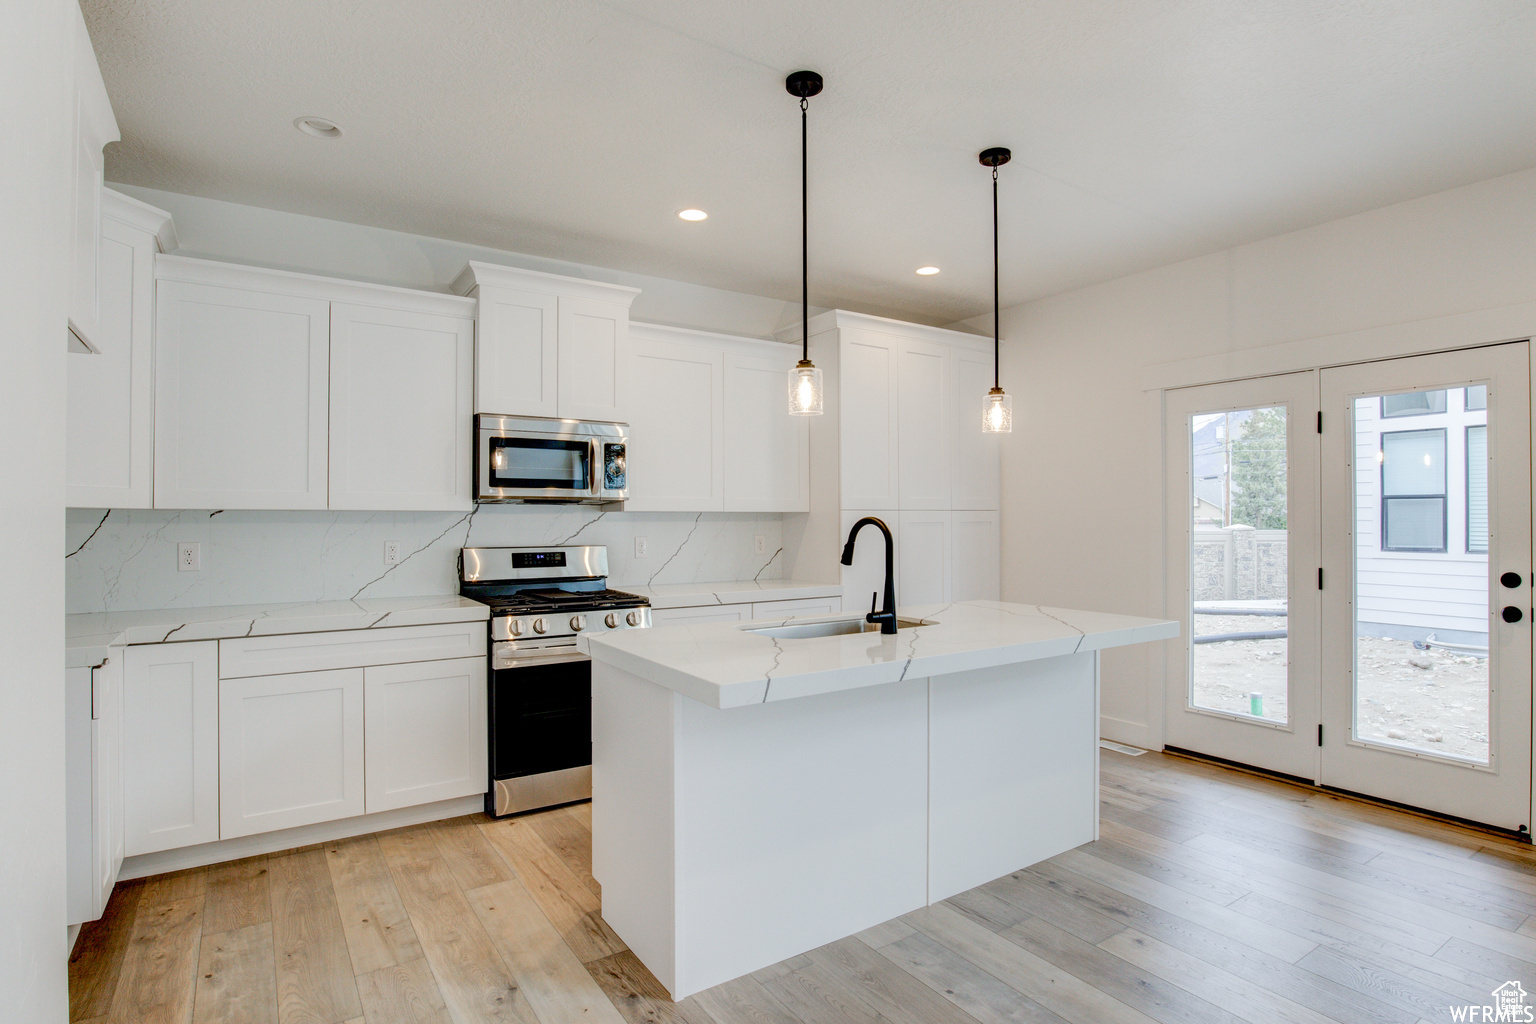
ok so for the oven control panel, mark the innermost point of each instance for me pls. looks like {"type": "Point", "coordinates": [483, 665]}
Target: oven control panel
{"type": "Point", "coordinates": [565, 624]}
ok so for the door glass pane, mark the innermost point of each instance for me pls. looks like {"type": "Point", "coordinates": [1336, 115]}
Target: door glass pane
{"type": "Point", "coordinates": [1421, 601]}
{"type": "Point", "coordinates": [1239, 662]}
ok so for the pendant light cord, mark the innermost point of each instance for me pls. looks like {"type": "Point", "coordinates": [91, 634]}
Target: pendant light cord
{"type": "Point", "coordinates": [996, 313]}
{"type": "Point", "coordinates": [805, 240]}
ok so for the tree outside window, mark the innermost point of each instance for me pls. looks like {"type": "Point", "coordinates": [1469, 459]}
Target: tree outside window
{"type": "Point", "coordinates": [1258, 471]}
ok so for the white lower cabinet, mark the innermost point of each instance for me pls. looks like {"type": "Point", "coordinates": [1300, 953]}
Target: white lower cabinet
{"type": "Point", "coordinates": [170, 746]}
{"type": "Point", "coordinates": [290, 750]}
{"type": "Point", "coordinates": [707, 613]}
{"type": "Point", "coordinates": [94, 785]}
{"type": "Point", "coordinates": [425, 732]}
{"type": "Point", "coordinates": [797, 606]}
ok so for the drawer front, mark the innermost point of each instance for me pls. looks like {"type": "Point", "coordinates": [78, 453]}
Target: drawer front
{"type": "Point", "coordinates": [802, 606]}
{"type": "Point", "coordinates": [694, 616]}
{"type": "Point", "coordinates": [352, 648]}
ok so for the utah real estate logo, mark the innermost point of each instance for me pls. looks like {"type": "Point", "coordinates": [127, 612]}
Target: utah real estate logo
{"type": "Point", "coordinates": [1508, 1005]}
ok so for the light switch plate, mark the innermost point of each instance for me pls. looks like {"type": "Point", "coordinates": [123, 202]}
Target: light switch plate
{"type": "Point", "coordinates": [189, 557]}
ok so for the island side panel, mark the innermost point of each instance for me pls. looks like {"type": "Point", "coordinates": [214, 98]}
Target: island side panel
{"type": "Point", "coordinates": [798, 823]}
{"type": "Point", "coordinates": [632, 813]}
{"type": "Point", "coordinates": [1014, 765]}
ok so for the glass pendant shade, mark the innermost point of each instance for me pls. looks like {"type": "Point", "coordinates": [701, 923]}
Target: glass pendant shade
{"type": "Point", "coordinates": [805, 389]}
{"type": "Point", "coordinates": [997, 413]}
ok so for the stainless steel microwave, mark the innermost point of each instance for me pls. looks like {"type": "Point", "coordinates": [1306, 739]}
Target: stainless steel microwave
{"type": "Point", "coordinates": [534, 458]}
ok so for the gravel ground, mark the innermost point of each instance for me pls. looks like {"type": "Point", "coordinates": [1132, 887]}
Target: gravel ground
{"type": "Point", "coordinates": [1432, 700]}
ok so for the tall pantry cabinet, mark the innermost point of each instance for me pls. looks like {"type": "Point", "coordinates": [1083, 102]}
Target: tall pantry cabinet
{"type": "Point", "coordinates": [902, 441]}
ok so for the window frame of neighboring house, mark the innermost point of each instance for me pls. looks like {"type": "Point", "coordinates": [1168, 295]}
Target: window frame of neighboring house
{"type": "Point", "coordinates": [1467, 448]}
{"type": "Point", "coordinates": [1443, 496]}
{"type": "Point", "coordinates": [1384, 414]}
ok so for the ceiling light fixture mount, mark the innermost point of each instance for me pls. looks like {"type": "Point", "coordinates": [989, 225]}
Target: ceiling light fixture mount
{"type": "Point", "coordinates": [319, 127]}
{"type": "Point", "coordinates": [997, 410]}
{"type": "Point", "coordinates": [692, 214]}
{"type": "Point", "coordinates": [927, 271]}
{"type": "Point", "coordinates": [805, 398]}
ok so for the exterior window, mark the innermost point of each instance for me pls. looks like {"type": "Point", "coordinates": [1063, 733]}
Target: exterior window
{"type": "Point", "coordinates": [1477, 490]}
{"type": "Point", "coordinates": [1476, 397]}
{"type": "Point", "coordinates": [1415, 403]}
{"type": "Point", "coordinates": [1413, 505]}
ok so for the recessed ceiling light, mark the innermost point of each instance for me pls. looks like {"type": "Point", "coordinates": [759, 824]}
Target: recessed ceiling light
{"type": "Point", "coordinates": [927, 271]}
{"type": "Point", "coordinates": [692, 214]}
{"type": "Point", "coordinates": [319, 127]}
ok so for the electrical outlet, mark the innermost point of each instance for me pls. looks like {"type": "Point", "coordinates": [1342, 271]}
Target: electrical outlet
{"type": "Point", "coordinates": [760, 544]}
{"type": "Point", "coordinates": [391, 552]}
{"type": "Point", "coordinates": [189, 558]}
{"type": "Point", "coordinates": [642, 547]}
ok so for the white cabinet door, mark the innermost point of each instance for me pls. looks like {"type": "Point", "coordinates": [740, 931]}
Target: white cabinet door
{"type": "Point", "coordinates": [516, 356]}
{"type": "Point", "coordinates": [975, 563]}
{"type": "Point", "coordinates": [799, 606]}
{"type": "Point", "coordinates": [400, 420]}
{"type": "Point", "coordinates": [977, 460]}
{"type": "Point", "coordinates": [109, 428]}
{"type": "Point", "coordinates": [923, 569]}
{"type": "Point", "coordinates": [924, 431]}
{"type": "Point", "coordinates": [866, 576]}
{"type": "Point", "coordinates": [426, 732]}
{"type": "Point", "coordinates": [240, 398]}
{"type": "Point", "coordinates": [79, 798]}
{"type": "Point", "coordinates": [170, 746]}
{"type": "Point", "coordinates": [707, 613]}
{"type": "Point", "coordinates": [107, 766]}
{"type": "Point", "coordinates": [676, 449]}
{"type": "Point", "coordinates": [593, 345]}
{"type": "Point", "coordinates": [867, 390]}
{"type": "Point", "coordinates": [290, 750]}
{"type": "Point", "coordinates": [767, 455]}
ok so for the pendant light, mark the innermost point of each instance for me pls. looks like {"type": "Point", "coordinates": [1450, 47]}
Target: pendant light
{"type": "Point", "coordinates": [997, 411]}
{"type": "Point", "coordinates": [805, 377]}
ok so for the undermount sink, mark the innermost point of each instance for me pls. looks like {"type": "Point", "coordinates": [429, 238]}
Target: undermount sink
{"type": "Point", "coordinates": [826, 627]}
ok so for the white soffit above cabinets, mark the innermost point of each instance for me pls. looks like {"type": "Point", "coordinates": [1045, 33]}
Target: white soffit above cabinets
{"type": "Point", "coordinates": [1142, 132]}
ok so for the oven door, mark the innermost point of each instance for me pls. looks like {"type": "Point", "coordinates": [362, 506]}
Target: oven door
{"type": "Point", "coordinates": [541, 731]}
{"type": "Point", "coordinates": [518, 466]}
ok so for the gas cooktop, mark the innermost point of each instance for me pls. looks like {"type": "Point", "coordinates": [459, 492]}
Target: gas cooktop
{"type": "Point", "coordinates": [534, 602]}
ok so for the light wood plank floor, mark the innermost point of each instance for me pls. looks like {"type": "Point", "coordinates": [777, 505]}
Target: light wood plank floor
{"type": "Point", "coordinates": [1211, 896]}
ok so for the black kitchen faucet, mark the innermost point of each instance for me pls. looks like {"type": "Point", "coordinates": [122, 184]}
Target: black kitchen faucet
{"type": "Point", "coordinates": [886, 616]}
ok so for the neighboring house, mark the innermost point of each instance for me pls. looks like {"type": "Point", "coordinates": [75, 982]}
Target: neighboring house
{"type": "Point", "coordinates": [1210, 466]}
{"type": "Point", "coordinates": [1421, 502]}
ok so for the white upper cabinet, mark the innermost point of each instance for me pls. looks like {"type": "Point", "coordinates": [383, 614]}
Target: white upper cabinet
{"type": "Point", "coordinates": [517, 356]}
{"type": "Point", "coordinates": [868, 396]}
{"type": "Point", "coordinates": [975, 569]}
{"type": "Point", "coordinates": [977, 459]}
{"type": "Point", "coordinates": [676, 422]}
{"type": "Point", "coordinates": [240, 397]}
{"type": "Point", "coordinates": [401, 393]}
{"type": "Point", "coordinates": [547, 345]}
{"type": "Point", "coordinates": [767, 451]}
{"type": "Point", "coordinates": [924, 429]}
{"type": "Point", "coordinates": [94, 127]}
{"type": "Point", "coordinates": [109, 429]}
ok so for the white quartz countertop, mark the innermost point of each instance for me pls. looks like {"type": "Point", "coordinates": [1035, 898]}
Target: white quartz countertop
{"type": "Point", "coordinates": [693, 595]}
{"type": "Point", "coordinates": [724, 665]}
{"type": "Point", "coordinates": [88, 631]}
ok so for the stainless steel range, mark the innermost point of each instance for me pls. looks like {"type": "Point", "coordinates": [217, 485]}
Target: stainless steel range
{"type": "Point", "coordinates": [541, 600]}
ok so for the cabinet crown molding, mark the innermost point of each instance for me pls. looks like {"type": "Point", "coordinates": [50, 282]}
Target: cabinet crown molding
{"type": "Point", "coordinates": [141, 216]}
{"type": "Point", "coordinates": [837, 318]}
{"type": "Point", "coordinates": [666, 332]}
{"type": "Point", "coordinates": [95, 104]}
{"type": "Point", "coordinates": [476, 274]}
{"type": "Point", "coordinates": [287, 282]}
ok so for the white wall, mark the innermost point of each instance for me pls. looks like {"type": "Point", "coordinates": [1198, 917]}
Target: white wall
{"type": "Point", "coordinates": [35, 60]}
{"type": "Point", "coordinates": [1083, 425]}
{"type": "Point", "coordinates": [215, 229]}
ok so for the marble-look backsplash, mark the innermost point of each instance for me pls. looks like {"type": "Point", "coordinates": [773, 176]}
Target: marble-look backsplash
{"type": "Point", "coordinates": [125, 559]}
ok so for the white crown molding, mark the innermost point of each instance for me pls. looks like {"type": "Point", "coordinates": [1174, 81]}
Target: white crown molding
{"type": "Point", "coordinates": [141, 216]}
{"type": "Point", "coordinates": [840, 318]}
{"type": "Point", "coordinates": [476, 274]}
{"type": "Point", "coordinates": [287, 282]}
{"type": "Point", "coordinates": [95, 104]}
{"type": "Point", "coordinates": [666, 332]}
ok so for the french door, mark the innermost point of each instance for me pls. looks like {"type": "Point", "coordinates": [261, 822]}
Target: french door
{"type": "Point", "coordinates": [1392, 656]}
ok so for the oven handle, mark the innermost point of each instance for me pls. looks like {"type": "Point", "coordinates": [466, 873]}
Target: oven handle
{"type": "Point", "coordinates": [499, 662]}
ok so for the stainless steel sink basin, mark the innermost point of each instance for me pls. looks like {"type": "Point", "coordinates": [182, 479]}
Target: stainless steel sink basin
{"type": "Point", "coordinates": [826, 627]}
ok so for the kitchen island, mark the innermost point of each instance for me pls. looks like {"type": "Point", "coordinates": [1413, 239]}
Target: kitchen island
{"type": "Point", "coordinates": [761, 789]}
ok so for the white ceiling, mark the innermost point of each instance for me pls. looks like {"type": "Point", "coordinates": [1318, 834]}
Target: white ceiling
{"type": "Point", "coordinates": [1143, 132]}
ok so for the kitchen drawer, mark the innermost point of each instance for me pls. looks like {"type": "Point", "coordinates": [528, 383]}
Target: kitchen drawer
{"type": "Point", "coordinates": [800, 606]}
{"type": "Point", "coordinates": [351, 648]}
{"type": "Point", "coordinates": [705, 613]}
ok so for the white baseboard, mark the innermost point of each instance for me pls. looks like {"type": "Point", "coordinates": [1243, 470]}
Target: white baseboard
{"type": "Point", "coordinates": [1136, 734]}
{"type": "Point", "coordinates": [289, 838]}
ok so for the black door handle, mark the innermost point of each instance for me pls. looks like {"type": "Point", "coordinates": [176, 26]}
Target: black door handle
{"type": "Point", "coordinates": [1512, 614]}
{"type": "Point", "coordinates": [1511, 580]}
